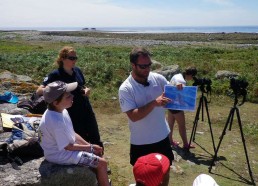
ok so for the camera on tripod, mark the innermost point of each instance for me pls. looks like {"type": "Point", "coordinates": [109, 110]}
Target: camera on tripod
{"type": "Point", "coordinates": [239, 87]}
{"type": "Point", "coordinates": [203, 83]}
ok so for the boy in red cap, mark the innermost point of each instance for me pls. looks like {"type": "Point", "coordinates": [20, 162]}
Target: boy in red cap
{"type": "Point", "coordinates": [152, 170]}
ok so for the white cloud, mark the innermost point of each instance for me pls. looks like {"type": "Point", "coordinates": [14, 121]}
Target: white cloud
{"type": "Point", "coordinates": [103, 13]}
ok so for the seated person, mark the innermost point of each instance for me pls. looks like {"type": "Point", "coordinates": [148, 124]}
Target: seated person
{"type": "Point", "coordinates": [151, 170]}
{"type": "Point", "coordinates": [60, 143]}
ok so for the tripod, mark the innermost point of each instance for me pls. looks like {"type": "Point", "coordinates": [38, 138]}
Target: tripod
{"type": "Point", "coordinates": [203, 100]}
{"type": "Point", "coordinates": [229, 121]}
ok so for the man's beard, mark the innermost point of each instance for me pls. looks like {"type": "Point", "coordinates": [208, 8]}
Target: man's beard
{"type": "Point", "coordinates": [141, 75]}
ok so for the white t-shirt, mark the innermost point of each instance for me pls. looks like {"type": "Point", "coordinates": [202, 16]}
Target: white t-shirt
{"type": "Point", "coordinates": [56, 132]}
{"type": "Point", "coordinates": [152, 128]}
{"type": "Point", "coordinates": [177, 79]}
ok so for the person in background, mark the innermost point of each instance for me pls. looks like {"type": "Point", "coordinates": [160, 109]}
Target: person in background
{"type": "Point", "coordinates": [81, 112]}
{"type": "Point", "coordinates": [179, 80]}
{"type": "Point", "coordinates": [151, 170]}
{"type": "Point", "coordinates": [60, 143]}
{"type": "Point", "coordinates": [142, 98]}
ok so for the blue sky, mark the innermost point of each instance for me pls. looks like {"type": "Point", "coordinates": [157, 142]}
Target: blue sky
{"type": "Point", "coordinates": [124, 13]}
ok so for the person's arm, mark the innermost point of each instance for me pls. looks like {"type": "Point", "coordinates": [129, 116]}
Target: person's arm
{"type": "Point", "coordinates": [140, 113]}
{"type": "Point", "coordinates": [40, 89]}
{"type": "Point", "coordinates": [82, 81]}
{"type": "Point", "coordinates": [81, 144]}
{"type": "Point", "coordinates": [80, 140]}
{"type": "Point", "coordinates": [88, 148]}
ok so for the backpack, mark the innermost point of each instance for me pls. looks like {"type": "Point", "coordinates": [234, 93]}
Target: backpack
{"type": "Point", "coordinates": [23, 144]}
{"type": "Point", "coordinates": [35, 105]}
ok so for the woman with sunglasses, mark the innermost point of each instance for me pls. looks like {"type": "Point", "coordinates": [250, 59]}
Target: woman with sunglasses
{"type": "Point", "coordinates": [81, 112]}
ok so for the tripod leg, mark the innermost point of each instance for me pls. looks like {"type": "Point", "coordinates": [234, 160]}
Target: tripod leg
{"type": "Point", "coordinates": [231, 121]}
{"type": "Point", "coordinates": [198, 116]}
{"type": "Point", "coordinates": [221, 137]}
{"type": "Point", "coordinates": [243, 140]}
{"type": "Point", "coordinates": [209, 121]}
{"type": "Point", "coordinates": [195, 122]}
{"type": "Point", "coordinates": [202, 107]}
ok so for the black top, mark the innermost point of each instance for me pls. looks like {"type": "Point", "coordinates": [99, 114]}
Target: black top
{"type": "Point", "coordinates": [81, 113]}
{"type": "Point", "coordinates": [61, 75]}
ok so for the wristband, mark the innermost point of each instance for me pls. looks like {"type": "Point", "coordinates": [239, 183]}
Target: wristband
{"type": "Point", "coordinates": [91, 148]}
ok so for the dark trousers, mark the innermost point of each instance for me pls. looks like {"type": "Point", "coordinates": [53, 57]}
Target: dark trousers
{"type": "Point", "coordinates": [162, 147]}
{"type": "Point", "coordinates": [84, 120]}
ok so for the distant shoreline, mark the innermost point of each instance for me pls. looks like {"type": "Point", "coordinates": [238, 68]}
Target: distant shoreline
{"type": "Point", "coordinates": [157, 29]}
{"type": "Point", "coordinates": [128, 39]}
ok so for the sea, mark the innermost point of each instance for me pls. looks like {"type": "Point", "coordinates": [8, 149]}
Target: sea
{"type": "Point", "coordinates": [168, 29]}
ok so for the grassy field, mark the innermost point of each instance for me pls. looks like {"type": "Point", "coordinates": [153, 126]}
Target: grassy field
{"type": "Point", "coordinates": [106, 67]}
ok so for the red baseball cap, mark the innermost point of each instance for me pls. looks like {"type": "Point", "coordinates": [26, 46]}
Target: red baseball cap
{"type": "Point", "coordinates": [151, 169]}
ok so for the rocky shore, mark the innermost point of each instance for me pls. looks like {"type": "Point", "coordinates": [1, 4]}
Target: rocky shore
{"type": "Point", "coordinates": [38, 36]}
{"type": "Point", "coordinates": [136, 39]}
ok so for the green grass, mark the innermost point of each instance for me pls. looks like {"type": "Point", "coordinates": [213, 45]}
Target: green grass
{"type": "Point", "coordinates": [105, 67]}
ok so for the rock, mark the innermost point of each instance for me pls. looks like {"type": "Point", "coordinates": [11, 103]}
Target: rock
{"type": "Point", "coordinates": [225, 74]}
{"type": "Point", "coordinates": [19, 84]}
{"type": "Point", "coordinates": [7, 108]}
{"type": "Point", "coordinates": [176, 169]}
{"type": "Point", "coordinates": [155, 64]}
{"type": "Point", "coordinates": [41, 172]}
{"type": "Point", "coordinates": [169, 71]}
{"type": "Point", "coordinates": [11, 76]}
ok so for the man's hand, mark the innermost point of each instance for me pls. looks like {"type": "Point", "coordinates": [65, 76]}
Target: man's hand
{"type": "Point", "coordinates": [162, 100]}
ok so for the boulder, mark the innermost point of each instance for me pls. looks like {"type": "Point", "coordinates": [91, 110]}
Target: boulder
{"type": "Point", "coordinates": [11, 76]}
{"type": "Point", "coordinates": [169, 71]}
{"type": "Point", "coordinates": [41, 172]}
{"type": "Point", "coordinates": [19, 84]}
{"type": "Point", "coordinates": [155, 64]}
{"type": "Point", "coordinates": [221, 74]}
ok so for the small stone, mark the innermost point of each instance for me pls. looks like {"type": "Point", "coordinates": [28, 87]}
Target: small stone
{"type": "Point", "coordinates": [70, 171]}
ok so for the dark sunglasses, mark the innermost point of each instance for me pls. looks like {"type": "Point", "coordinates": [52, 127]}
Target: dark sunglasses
{"type": "Point", "coordinates": [144, 66]}
{"type": "Point", "coordinates": [73, 58]}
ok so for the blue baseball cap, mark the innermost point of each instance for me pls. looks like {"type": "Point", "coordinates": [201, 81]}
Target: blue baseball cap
{"type": "Point", "coordinates": [9, 97]}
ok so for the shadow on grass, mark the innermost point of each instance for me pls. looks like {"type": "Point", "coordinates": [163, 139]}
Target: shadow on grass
{"type": "Point", "coordinates": [196, 158]}
{"type": "Point", "coordinates": [201, 159]}
{"type": "Point", "coordinates": [241, 178]}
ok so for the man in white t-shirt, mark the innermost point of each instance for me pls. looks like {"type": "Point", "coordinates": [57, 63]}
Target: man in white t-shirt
{"type": "Point", "coordinates": [142, 98]}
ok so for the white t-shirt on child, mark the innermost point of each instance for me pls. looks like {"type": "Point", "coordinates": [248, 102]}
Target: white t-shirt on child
{"type": "Point", "coordinates": [56, 132]}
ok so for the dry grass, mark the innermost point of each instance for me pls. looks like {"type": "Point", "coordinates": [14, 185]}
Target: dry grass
{"type": "Point", "coordinates": [202, 37]}
{"type": "Point", "coordinates": [231, 169]}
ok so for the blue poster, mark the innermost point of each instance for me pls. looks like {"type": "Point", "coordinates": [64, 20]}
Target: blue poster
{"type": "Point", "coordinates": [184, 99]}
